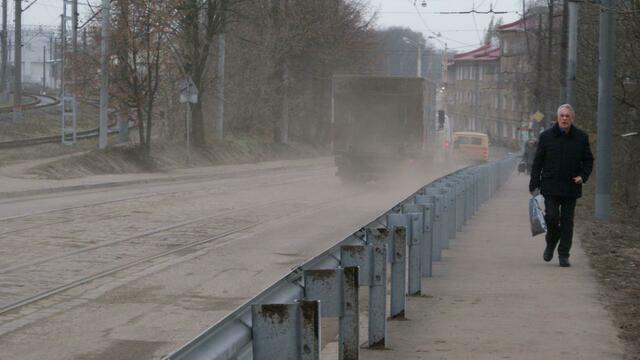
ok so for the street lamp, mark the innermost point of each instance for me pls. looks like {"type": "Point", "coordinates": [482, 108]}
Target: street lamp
{"type": "Point", "coordinates": [419, 59]}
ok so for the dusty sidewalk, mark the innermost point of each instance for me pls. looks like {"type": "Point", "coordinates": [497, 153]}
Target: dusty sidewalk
{"type": "Point", "coordinates": [493, 297]}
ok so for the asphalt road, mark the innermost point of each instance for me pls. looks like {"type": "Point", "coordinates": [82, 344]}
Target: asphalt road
{"type": "Point", "coordinates": [133, 272]}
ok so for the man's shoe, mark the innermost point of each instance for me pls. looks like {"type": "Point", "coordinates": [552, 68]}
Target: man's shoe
{"type": "Point", "coordinates": [564, 261]}
{"type": "Point", "coordinates": [548, 254]}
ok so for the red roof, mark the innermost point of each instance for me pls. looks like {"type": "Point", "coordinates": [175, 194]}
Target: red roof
{"type": "Point", "coordinates": [519, 25]}
{"type": "Point", "coordinates": [485, 52]}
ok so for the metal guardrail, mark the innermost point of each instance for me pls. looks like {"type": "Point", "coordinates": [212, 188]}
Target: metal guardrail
{"type": "Point", "coordinates": [283, 321]}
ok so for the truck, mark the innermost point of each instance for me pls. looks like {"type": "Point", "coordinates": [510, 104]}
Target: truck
{"type": "Point", "coordinates": [378, 124]}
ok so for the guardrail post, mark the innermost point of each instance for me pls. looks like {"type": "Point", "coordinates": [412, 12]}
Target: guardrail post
{"type": "Point", "coordinates": [483, 183]}
{"type": "Point", "coordinates": [476, 186]}
{"type": "Point", "coordinates": [310, 330]}
{"type": "Point", "coordinates": [426, 266]}
{"type": "Point", "coordinates": [398, 273]}
{"type": "Point", "coordinates": [360, 256]}
{"type": "Point", "coordinates": [453, 195]}
{"type": "Point", "coordinates": [337, 291]}
{"type": "Point", "coordinates": [468, 204]}
{"type": "Point", "coordinates": [349, 346]}
{"type": "Point", "coordinates": [446, 215]}
{"type": "Point", "coordinates": [446, 193]}
{"type": "Point", "coordinates": [460, 203]}
{"type": "Point", "coordinates": [433, 196]}
{"type": "Point", "coordinates": [416, 238]}
{"type": "Point", "coordinates": [378, 289]}
{"type": "Point", "coordinates": [444, 190]}
{"type": "Point", "coordinates": [286, 331]}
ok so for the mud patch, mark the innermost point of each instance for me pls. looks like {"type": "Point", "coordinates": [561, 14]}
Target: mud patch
{"type": "Point", "coordinates": [210, 303]}
{"type": "Point", "coordinates": [129, 294]}
{"type": "Point", "coordinates": [126, 350]}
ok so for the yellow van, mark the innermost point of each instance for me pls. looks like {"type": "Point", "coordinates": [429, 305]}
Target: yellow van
{"type": "Point", "coordinates": [471, 146]}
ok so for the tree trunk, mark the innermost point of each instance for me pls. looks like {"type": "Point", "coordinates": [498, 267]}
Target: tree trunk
{"type": "Point", "coordinates": [141, 132]}
{"type": "Point", "coordinates": [197, 123]}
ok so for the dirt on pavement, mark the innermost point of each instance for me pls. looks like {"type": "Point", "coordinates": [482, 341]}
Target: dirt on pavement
{"type": "Point", "coordinates": [613, 248]}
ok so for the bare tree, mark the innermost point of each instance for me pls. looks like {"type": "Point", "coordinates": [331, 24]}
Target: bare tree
{"type": "Point", "coordinates": [139, 47]}
{"type": "Point", "coordinates": [194, 31]}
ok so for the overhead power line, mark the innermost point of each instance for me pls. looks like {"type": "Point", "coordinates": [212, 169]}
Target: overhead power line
{"type": "Point", "coordinates": [467, 12]}
{"type": "Point", "coordinates": [436, 34]}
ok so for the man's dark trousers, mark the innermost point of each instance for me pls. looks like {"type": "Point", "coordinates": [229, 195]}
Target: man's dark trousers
{"type": "Point", "coordinates": [559, 211]}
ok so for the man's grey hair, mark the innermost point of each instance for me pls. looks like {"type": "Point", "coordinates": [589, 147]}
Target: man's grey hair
{"type": "Point", "coordinates": [568, 107]}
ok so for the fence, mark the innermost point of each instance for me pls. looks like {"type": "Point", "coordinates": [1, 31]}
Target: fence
{"type": "Point", "coordinates": [283, 321]}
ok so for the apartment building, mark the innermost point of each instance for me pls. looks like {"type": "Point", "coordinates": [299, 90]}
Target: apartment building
{"type": "Point", "coordinates": [491, 89]}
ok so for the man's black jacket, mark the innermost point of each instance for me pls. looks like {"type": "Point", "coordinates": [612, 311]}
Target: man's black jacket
{"type": "Point", "coordinates": [559, 158]}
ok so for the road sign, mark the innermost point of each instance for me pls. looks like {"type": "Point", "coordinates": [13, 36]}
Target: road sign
{"type": "Point", "coordinates": [537, 116]}
{"type": "Point", "coordinates": [188, 91]}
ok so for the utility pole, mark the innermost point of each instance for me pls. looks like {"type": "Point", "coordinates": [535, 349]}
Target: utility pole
{"type": "Point", "coordinates": [283, 137]}
{"type": "Point", "coordinates": [564, 44]}
{"type": "Point", "coordinates": [538, 88]}
{"type": "Point", "coordinates": [419, 61]}
{"type": "Point", "coordinates": [67, 89]}
{"type": "Point", "coordinates": [476, 95]}
{"type": "Point", "coordinates": [4, 81]}
{"type": "Point", "coordinates": [572, 54]}
{"type": "Point", "coordinates": [104, 74]}
{"type": "Point", "coordinates": [74, 49]}
{"type": "Point", "coordinates": [17, 83]}
{"type": "Point", "coordinates": [51, 70]}
{"type": "Point", "coordinates": [44, 69]}
{"type": "Point", "coordinates": [429, 58]}
{"type": "Point", "coordinates": [62, 49]}
{"type": "Point", "coordinates": [55, 63]}
{"type": "Point", "coordinates": [74, 32]}
{"type": "Point", "coordinates": [547, 99]}
{"type": "Point", "coordinates": [84, 40]}
{"type": "Point", "coordinates": [220, 78]}
{"type": "Point", "coordinates": [606, 73]}
{"type": "Point", "coordinates": [445, 92]}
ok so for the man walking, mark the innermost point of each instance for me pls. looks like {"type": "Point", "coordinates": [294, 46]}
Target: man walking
{"type": "Point", "coordinates": [529, 153]}
{"type": "Point", "coordinates": [563, 162]}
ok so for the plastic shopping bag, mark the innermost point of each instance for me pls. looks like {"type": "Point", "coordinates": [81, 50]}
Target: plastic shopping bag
{"type": "Point", "coordinates": [536, 216]}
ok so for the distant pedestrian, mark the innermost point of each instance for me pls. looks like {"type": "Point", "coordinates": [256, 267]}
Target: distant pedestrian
{"type": "Point", "coordinates": [529, 154]}
{"type": "Point", "coordinates": [562, 163]}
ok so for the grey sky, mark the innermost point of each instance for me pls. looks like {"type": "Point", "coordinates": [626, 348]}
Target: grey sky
{"type": "Point", "coordinates": [460, 32]}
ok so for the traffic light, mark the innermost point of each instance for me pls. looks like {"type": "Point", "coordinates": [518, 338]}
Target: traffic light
{"type": "Point", "coordinates": [440, 119]}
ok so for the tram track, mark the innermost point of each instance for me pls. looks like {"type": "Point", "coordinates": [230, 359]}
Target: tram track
{"type": "Point", "coordinates": [52, 286]}
{"type": "Point", "coordinates": [71, 284]}
{"type": "Point", "coordinates": [66, 218]}
{"type": "Point", "coordinates": [37, 102]}
{"type": "Point", "coordinates": [41, 102]}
